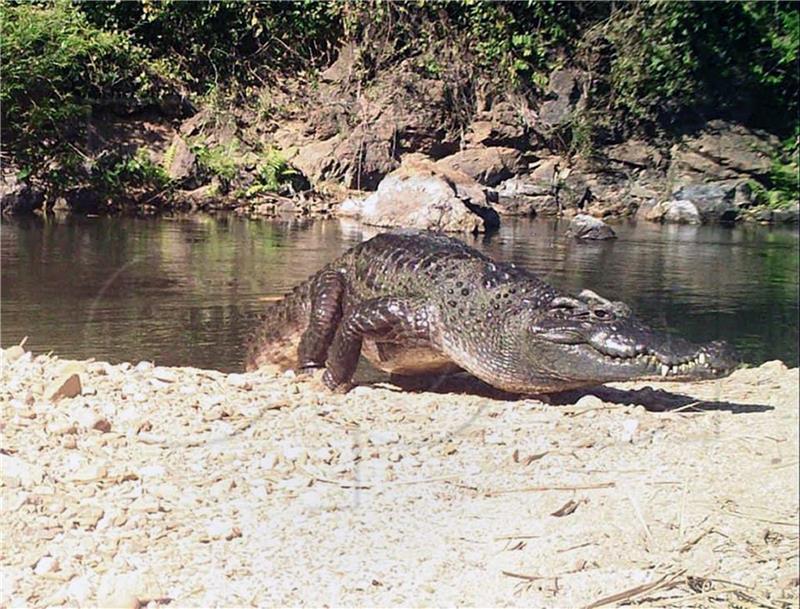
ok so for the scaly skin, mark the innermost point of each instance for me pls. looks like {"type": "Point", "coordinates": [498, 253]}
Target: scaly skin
{"type": "Point", "coordinates": [415, 303]}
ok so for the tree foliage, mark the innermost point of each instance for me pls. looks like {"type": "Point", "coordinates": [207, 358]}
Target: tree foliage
{"type": "Point", "coordinates": [653, 64]}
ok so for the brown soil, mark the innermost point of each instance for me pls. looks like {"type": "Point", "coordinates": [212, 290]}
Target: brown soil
{"type": "Point", "coordinates": [191, 487]}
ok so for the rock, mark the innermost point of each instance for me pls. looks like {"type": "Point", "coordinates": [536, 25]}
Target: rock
{"type": "Point", "coordinates": [87, 418]}
{"type": "Point", "coordinates": [26, 474]}
{"type": "Point", "coordinates": [179, 160]}
{"type": "Point", "coordinates": [239, 380]}
{"type": "Point", "coordinates": [151, 471]}
{"type": "Point", "coordinates": [565, 97]}
{"type": "Point", "coordinates": [79, 589]}
{"type": "Point", "coordinates": [629, 427]}
{"type": "Point", "coordinates": [532, 194]}
{"type": "Point", "coordinates": [786, 215]}
{"type": "Point", "coordinates": [18, 196]}
{"type": "Point", "coordinates": [120, 591]}
{"type": "Point", "coordinates": [636, 153]}
{"type": "Point", "coordinates": [84, 200]}
{"type": "Point", "coordinates": [341, 69]}
{"type": "Point", "coordinates": [366, 156]}
{"type": "Point", "coordinates": [723, 150]}
{"type": "Point", "coordinates": [222, 529]}
{"type": "Point", "coordinates": [680, 212]}
{"type": "Point", "coordinates": [65, 386]}
{"type": "Point", "coordinates": [166, 375]}
{"type": "Point", "coordinates": [714, 202]}
{"type": "Point", "coordinates": [382, 438]}
{"type": "Point", "coordinates": [88, 516]}
{"type": "Point", "coordinates": [143, 366]}
{"type": "Point", "coordinates": [294, 453]}
{"type": "Point", "coordinates": [506, 124]}
{"type": "Point", "coordinates": [316, 159]}
{"type": "Point", "coordinates": [269, 461]}
{"type": "Point", "coordinates": [421, 194]}
{"type": "Point", "coordinates": [89, 473]}
{"type": "Point", "coordinates": [573, 190]}
{"type": "Point", "coordinates": [489, 166]}
{"type": "Point", "coordinates": [13, 353]}
{"type": "Point", "coordinates": [196, 123]}
{"type": "Point", "coordinates": [46, 564]}
{"type": "Point", "coordinates": [203, 196]}
{"type": "Point", "coordinates": [584, 226]}
{"type": "Point", "coordinates": [589, 401]}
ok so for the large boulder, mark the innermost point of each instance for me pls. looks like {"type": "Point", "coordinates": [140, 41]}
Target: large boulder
{"type": "Point", "coordinates": [584, 226]}
{"type": "Point", "coordinates": [564, 98]}
{"type": "Point", "coordinates": [714, 202]}
{"type": "Point", "coordinates": [670, 212]}
{"type": "Point", "coordinates": [634, 153]}
{"type": "Point", "coordinates": [179, 160]}
{"type": "Point", "coordinates": [316, 159]}
{"type": "Point", "coordinates": [489, 166]}
{"type": "Point", "coordinates": [365, 157]}
{"type": "Point", "coordinates": [18, 196]}
{"type": "Point", "coordinates": [507, 123]}
{"type": "Point", "coordinates": [722, 151]}
{"type": "Point", "coordinates": [421, 194]}
{"type": "Point", "coordinates": [534, 193]}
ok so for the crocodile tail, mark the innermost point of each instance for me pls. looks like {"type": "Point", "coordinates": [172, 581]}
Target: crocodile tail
{"type": "Point", "coordinates": [273, 343]}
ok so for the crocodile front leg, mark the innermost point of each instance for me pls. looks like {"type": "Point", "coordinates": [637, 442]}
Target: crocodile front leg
{"type": "Point", "coordinates": [386, 319]}
{"type": "Point", "coordinates": [326, 312]}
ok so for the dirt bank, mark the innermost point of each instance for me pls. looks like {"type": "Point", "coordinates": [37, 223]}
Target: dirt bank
{"type": "Point", "coordinates": [191, 487]}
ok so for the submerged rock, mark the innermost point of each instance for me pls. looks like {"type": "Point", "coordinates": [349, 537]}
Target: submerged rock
{"type": "Point", "coordinates": [680, 212]}
{"type": "Point", "coordinates": [584, 226]}
{"type": "Point", "coordinates": [714, 202]}
{"type": "Point", "coordinates": [18, 196]}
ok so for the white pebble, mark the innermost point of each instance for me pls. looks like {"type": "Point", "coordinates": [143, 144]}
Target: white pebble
{"type": "Point", "coordinates": [629, 427]}
{"type": "Point", "coordinates": [46, 564]}
{"type": "Point", "coordinates": [143, 366]}
{"type": "Point", "coordinates": [381, 438]}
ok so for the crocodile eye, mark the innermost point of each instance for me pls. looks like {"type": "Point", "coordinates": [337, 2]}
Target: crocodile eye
{"type": "Point", "coordinates": [603, 314]}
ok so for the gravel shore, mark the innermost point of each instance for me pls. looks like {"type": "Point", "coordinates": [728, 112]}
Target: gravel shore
{"type": "Point", "coordinates": [137, 485]}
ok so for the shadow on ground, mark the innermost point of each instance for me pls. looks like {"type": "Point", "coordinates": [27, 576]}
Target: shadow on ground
{"type": "Point", "coordinates": [653, 400]}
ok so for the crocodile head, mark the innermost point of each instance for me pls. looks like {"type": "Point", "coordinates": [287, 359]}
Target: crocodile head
{"type": "Point", "coordinates": [589, 340]}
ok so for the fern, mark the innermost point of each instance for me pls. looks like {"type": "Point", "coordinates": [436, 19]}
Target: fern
{"type": "Point", "coordinates": [169, 156]}
{"type": "Point", "coordinates": [275, 172]}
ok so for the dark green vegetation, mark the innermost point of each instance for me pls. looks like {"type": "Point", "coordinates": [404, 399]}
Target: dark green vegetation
{"type": "Point", "coordinates": [656, 67]}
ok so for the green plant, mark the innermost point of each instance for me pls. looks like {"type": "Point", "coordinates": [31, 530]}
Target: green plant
{"type": "Point", "coordinates": [218, 159]}
{"type": "Point", "coordinates": [113, 176]}
{"type": "Point", "coordinates": [273, 174]}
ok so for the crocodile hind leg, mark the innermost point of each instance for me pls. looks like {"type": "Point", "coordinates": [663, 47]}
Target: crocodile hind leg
{"type": "Point", "coordinates": [386, 319]}
{"type": "Point", "coordinates": [326, 313]}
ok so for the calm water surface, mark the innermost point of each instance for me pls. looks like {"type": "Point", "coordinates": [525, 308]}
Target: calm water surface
{"type": "Point", "coordinates": [182, 291]}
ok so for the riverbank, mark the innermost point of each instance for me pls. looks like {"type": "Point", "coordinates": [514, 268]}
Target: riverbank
{"type": "Point", "coordinates": [471, 111]}
{"type": "Point", "coordinates": [142, 484]}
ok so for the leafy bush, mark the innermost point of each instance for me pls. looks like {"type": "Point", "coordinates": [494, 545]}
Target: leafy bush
{"type": "Point", "coordinates": [115, 175]}
{"type": "Point", "coordinates": [652, 65]}
{"type": "Point", "coordinates": [57, 68]}
{"type": "Point", "coordinates": [213, 41]}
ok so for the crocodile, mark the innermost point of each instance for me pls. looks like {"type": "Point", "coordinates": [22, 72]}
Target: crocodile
{"type": "Point", "coordinates": [415, 302]}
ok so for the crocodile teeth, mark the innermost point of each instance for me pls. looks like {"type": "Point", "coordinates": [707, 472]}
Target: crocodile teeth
{"type": "Point", "coordinates": [701, 358]}
{"type": "Point", "coordinates": [664, 370]}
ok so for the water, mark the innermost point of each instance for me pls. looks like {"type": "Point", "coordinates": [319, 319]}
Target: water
{"type": "Point", "coordinates": [182, 291]}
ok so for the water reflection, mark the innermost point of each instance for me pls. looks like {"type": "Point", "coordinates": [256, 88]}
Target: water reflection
{"type": "Point", "coordinates": [181, 291]}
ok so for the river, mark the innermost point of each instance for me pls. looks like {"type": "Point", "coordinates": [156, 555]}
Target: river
{"type": "Point", "coordinates": [182, 291]}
